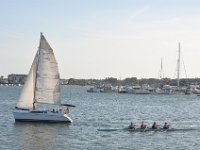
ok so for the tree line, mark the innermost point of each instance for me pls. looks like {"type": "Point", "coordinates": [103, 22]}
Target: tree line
{"type": "Point", "coordinates": [131, 81]}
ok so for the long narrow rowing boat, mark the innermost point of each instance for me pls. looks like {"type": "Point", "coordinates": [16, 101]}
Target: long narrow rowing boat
{"type": "Point", "coordinates": [149, 129]}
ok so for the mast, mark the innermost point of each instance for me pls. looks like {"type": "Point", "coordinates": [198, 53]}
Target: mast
{"type": "Point", "coordinates": [38, 53]}
{"type": "Point", "coordinates": [178, 65]}
{"type": "Point", "coordinates": [161, 69]}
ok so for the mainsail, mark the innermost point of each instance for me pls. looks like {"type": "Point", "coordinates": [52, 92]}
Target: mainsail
{"type": "Point", "coordinates": [47, 88]}
{"type": "Point", "coordinates": [43, 81]}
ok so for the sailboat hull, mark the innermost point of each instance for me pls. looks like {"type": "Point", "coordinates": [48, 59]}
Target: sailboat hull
{"type": "Point", "coordinates": [40, 116]}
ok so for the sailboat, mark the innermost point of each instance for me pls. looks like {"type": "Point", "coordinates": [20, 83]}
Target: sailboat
{"type": "Point", "coordinates": [41, 90]}
{"type": "Point", "coordinates": [162, 89]}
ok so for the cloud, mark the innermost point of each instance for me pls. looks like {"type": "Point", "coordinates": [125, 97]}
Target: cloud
{"type": "Point", "coordinates": [10, 34]}
{"type": "Point", "coordinates": [134, 15]}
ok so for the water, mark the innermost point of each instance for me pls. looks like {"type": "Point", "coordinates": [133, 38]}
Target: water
{"type": "Point", "coordinates": [95, 111]}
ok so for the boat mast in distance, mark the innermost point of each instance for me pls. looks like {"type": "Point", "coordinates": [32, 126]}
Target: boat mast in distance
{"type": "Point", "coordinates": [178, 66]}
{"type": "Point", "coordinates": [161, 74]}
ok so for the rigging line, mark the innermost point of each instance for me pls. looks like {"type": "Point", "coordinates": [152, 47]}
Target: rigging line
{"type": "Point", "coordinates": [175, 72]}
{"type": "Point", "coordinates": [184, 66]}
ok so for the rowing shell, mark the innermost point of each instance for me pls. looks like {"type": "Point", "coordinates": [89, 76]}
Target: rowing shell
{"type": "Point", "coordinates": [149, 129]}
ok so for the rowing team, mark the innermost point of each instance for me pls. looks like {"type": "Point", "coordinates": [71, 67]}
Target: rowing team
{"type": "Point", "coordinates": [144, 126]}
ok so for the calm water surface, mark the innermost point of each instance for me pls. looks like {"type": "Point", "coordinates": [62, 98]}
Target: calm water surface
{"type": "Point", "coordinates": [95, 111]}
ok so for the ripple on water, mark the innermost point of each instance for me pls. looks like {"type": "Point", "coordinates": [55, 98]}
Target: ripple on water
{"type": "Point", "coordinates": [95, 111]}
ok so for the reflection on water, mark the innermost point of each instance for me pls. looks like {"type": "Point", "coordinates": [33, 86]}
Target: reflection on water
{"type": "Point", "coordinates": [38, 135]}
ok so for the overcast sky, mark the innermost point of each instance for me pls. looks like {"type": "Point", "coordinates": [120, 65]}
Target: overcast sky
{"type": "Point", "coordinates": [102, 38]}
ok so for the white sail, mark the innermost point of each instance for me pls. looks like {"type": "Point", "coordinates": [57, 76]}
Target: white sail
{"type": "Point", "coordinates": [27, 95]}
{"type": "Point", "coordinates": [47, 77]}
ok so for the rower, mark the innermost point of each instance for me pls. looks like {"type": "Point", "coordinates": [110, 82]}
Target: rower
{"type": "Point", "coordinates": [154, 126]}
{"type": "Point", "coordinates": [143, 126]}
{"type": "Point", "coordinates": [132, 126]}
{"type": "Point", "coordinates": [166, 126]}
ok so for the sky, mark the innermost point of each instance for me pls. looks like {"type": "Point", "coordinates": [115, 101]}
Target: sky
{"type": "Point", "coordinates": [102, 38]}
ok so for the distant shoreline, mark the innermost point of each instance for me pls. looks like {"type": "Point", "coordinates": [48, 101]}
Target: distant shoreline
{"type": "Point", "coordinates": [19, 79]}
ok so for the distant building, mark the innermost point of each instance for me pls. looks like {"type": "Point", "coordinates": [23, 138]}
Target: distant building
{"type": "Point", "coordinates": [17, 78]}
{"type": "Point", "coordinates": [3, 80]}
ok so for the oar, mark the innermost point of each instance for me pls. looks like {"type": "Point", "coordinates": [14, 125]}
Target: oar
{"type": "Point", "coordinates": [69, 105]}
{"type": "Point", "coordinates": [145, 129]}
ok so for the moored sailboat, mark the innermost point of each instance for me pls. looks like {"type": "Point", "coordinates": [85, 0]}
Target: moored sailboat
{"type": "Point", "coordinates": [42, 90]}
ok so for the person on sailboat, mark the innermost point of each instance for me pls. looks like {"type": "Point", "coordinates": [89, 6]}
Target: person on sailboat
{"type": "Point", "coordinates": [132, 126]}
{"type": "Point", "coordinates": [66, 110]}
{"type": "Point", "coordinates": [166, 126]}
{"type": "Point", "coordinates": [143, 125]}
{"type": "Point", "coordinates": [155, 126]}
